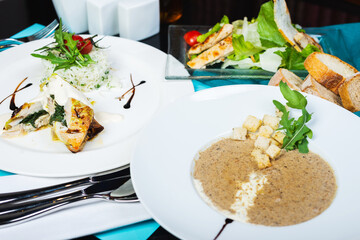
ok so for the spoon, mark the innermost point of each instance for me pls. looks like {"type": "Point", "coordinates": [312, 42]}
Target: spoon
{"type": "Point", "coordinates": [19, 212]}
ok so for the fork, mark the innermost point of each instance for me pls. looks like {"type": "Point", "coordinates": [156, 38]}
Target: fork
{"type": "Point", "coordinates": [14, 213]}
{"type": "Point", "coordinates": [46, 32]}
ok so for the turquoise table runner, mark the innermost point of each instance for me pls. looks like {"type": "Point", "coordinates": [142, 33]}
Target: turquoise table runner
{"type": "Point", "coordinates": [351, 37]}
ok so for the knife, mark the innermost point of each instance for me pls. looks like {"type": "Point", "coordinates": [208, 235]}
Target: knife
{"type": "Point", "coordinates": [34, 193]}
{"type": "Point", "coordinates": [15, 212]}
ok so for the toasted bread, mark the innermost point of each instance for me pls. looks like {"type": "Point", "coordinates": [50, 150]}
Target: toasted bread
{"type": "Point", "coordinates": [350, 93]}
{"type": "Point", "coordinates": [288, 77]}
{"type": "Point", "coordinates": [311, 86]}
{"type": "Point", "coordinates": [328, 70]}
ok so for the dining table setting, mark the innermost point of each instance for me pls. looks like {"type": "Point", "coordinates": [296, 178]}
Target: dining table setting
{"type": "Point", "coordinates": [150, 116]}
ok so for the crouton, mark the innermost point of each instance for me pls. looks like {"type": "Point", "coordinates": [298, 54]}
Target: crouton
{"type": "Point", "coordinates": [239, 133]}
{"type": "Point", "coordinates": [271, 121]}
{"type": "Point", "coordinates": [262, 143]}
{"type": "Point", "coordinates": [252, 123]}
{"type": "Point", "coordinates": [273, 151]}
{"type": "Point", "coordinates": [263, 161]}
{"type": "Point", "coordinates": [279, 136]}
{"type": "Point", "coordinates": [265, 131]}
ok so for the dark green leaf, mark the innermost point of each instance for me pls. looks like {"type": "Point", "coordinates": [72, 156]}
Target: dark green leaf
{"type": "Point", "coordinates": [30, 119]}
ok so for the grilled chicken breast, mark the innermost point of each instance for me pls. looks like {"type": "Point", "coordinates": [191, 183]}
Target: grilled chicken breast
{"type": "Point", "coordinates": [29, 117]}
{"type": "Point", "coordinates": [213, 39]}
{"type": "Point", "coordinates": [61, 106]}
{"type": "Point", "coordinates": [218, 51]}
{"type": "Point", "coordinates": [78, 118]}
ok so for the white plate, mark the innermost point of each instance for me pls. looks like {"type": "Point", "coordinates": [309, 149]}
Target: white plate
{"type": "Point", "coordinates": [162, 165]}
{"type": "Point", "coordinates": [37, 155]}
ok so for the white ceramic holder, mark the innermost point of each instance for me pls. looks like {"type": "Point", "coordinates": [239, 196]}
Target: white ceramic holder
{"type": "Point", "coordinates": [102, 17]}
{"type": "Point", "coordinates": [73, 13]}
{"type": "Point", "coordinates": [138, 19]}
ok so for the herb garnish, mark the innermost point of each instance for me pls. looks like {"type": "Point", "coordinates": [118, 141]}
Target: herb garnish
{"type": "Point", "coordinates": [59, 115]}
{"type": "Point", "coordinates": [30, 119]}
{"type": "Point", "coordinates": [65, 53]}
{"type": "Point", "coordinates": [296, 131]}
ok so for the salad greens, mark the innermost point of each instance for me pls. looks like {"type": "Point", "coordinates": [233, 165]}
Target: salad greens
{"type": "Point", "coordinates": [296, 131]}
{"type": "Point", "coordinates": [267, 28]}
{"type": "Point", "coordinates": [216, 28]}
{"type": "Point", "coordinates": [65, 53]}
{"type": "Point", "coordinates": [292, 59]}
{"type": "Point", "coordinates": [261, 41]}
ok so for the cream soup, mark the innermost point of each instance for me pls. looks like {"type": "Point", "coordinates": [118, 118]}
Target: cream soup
{"type": "Point", "coordinates": [296, 188]}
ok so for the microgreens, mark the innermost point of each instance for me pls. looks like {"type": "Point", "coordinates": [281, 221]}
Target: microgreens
{"type": "Point", "coordinates": [64, 54]}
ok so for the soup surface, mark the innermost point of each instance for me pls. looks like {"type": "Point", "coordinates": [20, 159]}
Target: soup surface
{"type": "Point", "coordinates": [296, 188]}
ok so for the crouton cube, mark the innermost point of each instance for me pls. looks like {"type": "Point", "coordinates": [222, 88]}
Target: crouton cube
{"type": "Point", "coordinates": [276, 143]}
{"type": "Point", "coordinates": [262, 143]}
{"type": "Point", "coordinates": [278, 113]}
{"type": "Point", "coordinates": [279, 136]}
{"type": "Point", "coordinates": [265, 131]}
{"type": "Point", "coordinates": [256, 152]}
{"type": "Point", "coordinates": [263, 161]}
{"type": "Point", "coordinates": [252, 123]}
{"type": "Point", "coordinates": [273, 151]}
{"type": "Point", "coordinates": [252, 136]}
{"type": "Point", "coordinates": [239, 133]}
{"type": "Point", "coordinates": [271, 121]}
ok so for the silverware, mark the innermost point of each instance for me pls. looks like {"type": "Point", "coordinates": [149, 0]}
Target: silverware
{"type": "Point", "coordinates": [43, 33]}
{"type": "Point", "coordinates": [35, 193]}
{"type": "Point", "coordinates": [18, 212]}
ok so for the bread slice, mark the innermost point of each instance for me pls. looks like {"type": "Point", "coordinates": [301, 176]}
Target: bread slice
{"type": "Point", "coordinates": [213, 39]}
{"type": "Point", "coordinates": [328, 70]}
{"type": "Point", "coordinates": [216, 52]}
{"type": "Point", "coordinates": [350, 93]}
{"type": "Point", "coordinates": [291, 79]}
{"type": "Point", "coordinates": [283, 22]}
{"type": "Point", "coordinates": [311, 86]}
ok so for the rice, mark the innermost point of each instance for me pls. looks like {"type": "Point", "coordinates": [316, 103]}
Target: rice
{"type": "Point", "coordinates": [89, 78]}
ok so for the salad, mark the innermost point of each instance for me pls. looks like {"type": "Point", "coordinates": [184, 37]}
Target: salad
{"type": "Point", "coordinates": [79, 61]}
{"type": "Point", "coordinates": [268, 42]}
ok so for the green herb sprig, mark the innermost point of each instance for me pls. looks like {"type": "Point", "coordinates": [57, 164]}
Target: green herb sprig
{"type": "Point", "coordinates": [69, 54]}
{"type": "Point", "coordinates": [296, 132]}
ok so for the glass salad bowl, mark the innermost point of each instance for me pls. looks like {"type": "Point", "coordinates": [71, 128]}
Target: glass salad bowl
{"type": "Point", "coordinates": [176, 69]}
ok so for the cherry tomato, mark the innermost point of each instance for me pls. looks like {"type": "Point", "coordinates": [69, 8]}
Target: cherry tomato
{"type": "Point", "coordinates": [191, 37]}
{"type": "Point", "coordinates": [86, 47]}
{"type": "Point", "coordinates": [80, 40]}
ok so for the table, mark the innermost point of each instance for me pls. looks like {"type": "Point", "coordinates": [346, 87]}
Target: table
{"type": "Point", "coordinates": [150, 229]}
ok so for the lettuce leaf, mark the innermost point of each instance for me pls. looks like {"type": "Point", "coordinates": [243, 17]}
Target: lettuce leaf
{"type": "Point", "coordinates": [267, 28]}
{"type": "Point", "coordinates": [242, 48]}
{"type": "Point", "coordinates": [294, 60]}
{"type": "Point", "coordinates": [214, 29]}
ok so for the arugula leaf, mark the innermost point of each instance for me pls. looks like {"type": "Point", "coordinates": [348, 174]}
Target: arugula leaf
{"type": "Point", "coordinates": [267, 28]}
{"type": "Point", "coordinates": [242, 48]}
{"type": "Point", "coordinates": [292, 59]}
{"type": "Point", "coordinates": [296, 132]}
{"type": "Point", "coordinates": [67, 54]}
{"type": "Point", "coordinates": [214, 29]}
